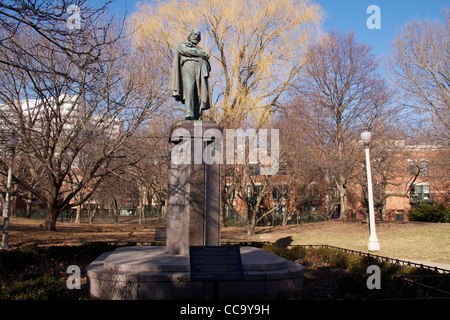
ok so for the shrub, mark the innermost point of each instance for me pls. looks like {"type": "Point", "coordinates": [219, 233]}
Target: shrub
{"type": "Point", "coordinates": [351, 275]}
{"type": "Point", "coordinates": [425, 212]}
{"type": "Point", "coordinates": [39, 273]}
{"type": "Point", "coordinates": [17, 260]}
{"type": "Point", "coordinates": [42, 287]}
{"type": "Point", "coordinates": [293, 253]}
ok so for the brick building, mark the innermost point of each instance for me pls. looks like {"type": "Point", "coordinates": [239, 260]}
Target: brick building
{"type": "Point", "coordinates": [403, 175]}
{"type": "Point", "coordinates": [424, 175]}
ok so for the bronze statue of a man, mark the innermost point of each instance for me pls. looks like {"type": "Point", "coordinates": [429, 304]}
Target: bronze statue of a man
{"type": "Point", "coordinates": [189, 78]}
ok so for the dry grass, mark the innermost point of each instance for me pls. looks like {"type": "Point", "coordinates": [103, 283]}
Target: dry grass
{"type": "Point", "coordinates": [411, 240]}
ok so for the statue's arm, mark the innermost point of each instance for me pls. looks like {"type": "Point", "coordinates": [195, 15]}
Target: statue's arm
{"type": "Point", "coordinates": [194, 52]}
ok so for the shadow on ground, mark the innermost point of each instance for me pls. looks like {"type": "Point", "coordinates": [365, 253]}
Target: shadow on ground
{"type": "Point", "coordinates": [286, 241]}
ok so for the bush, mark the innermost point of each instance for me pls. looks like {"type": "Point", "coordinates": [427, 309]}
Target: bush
{"type": "Point", "coordinates": [42, 287]}
{"type": "Point", "coordinates": [425, 212]}
{"type": "Point", "coordinates": [350, 272]}
{"type": "Point", "coordinates": [287, 253]}
{"type": "Point", "coordinates": [313, 217]}
{"type": "Point", "coordinates": [39, 273]}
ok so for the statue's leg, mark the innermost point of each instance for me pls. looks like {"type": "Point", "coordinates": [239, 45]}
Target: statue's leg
{"type": "Point", "coordinates": [197, 112]}
{"type": "Point", "coordinates": [189, 89]}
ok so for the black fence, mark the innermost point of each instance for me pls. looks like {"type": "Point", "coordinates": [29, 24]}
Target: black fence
{"type": "Point", "coordinates": [427, 286]}
{"type": "Point", "coordinates": [381, 258]}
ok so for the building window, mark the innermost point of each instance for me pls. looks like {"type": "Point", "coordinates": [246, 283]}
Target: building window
{"type": "Point", "coordinates": [255, 169]}
{"type": "Point", "coordinates": [424, 168]}
{"type": "Point", "coordinates": [412, 167]}
{"type": "Point", "coordinates": [232, 195]}
{"type": "Point", "coordinates": [415, 166]}
{"type": "Point", "coordinates": [420, 192]}
{"type": "Point", "coordinates": [256, 190]}
{"type": "Point", "coordinates": [229, 213]}
{"type": "Point", "coordinates": [280, 192]}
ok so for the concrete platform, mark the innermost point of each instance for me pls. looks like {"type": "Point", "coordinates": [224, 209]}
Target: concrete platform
{"type": "Point", "coordinates": [139, 273]}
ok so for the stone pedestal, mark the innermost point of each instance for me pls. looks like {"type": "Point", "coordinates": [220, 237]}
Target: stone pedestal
{"type": "Point", "coordinates": [139, 273]}
{"type": "Point", "coordinates": [193, 204]}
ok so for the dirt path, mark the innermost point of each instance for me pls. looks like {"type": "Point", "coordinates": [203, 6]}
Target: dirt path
{"type": "Point", "coordinates": [28, 232]}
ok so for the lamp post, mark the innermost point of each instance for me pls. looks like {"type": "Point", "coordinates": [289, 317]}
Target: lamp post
{"type": "Point", "coordinates": [374, 244]}
{"type": "Point", "coordinates": [13, 141]}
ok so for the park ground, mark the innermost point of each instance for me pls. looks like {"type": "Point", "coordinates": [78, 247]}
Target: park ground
{"type": "Point", "coordinates": [417, 241]}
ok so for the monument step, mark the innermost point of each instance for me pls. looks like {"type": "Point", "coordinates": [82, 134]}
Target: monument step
{"type": "Point", "coordinates": [143, 272]}
{"type": "Point", "coordinates": [141, 259]}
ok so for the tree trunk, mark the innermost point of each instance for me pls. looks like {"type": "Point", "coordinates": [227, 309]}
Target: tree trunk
{"type": "Point", "coordinates": [78, 216]}
{"type": "Point", "coordinates": [251, 222]}
{"type": "Point", "coordinates": [51, 214]}
{"type": "Point", "coordinates": [250, 228]}
{"type": "Point", "coordinates": [92, 212]}
{"type": "Point", "coordinates": [143, 203]}
{"type": "Point", "coordinates": [223, 191]}
{"type": "Point", "coordinates": [29, 207]}
{"type": "Point", "coordinates": [342, 190]}
{"type": "Point", "coordinates": [286, 215]}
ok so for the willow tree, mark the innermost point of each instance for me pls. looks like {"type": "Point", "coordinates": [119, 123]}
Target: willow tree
{"type": "Point", "coordinates": [257, 48]}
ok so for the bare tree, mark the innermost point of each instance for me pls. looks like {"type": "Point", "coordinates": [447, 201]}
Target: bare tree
{"type": "Point", "coordinates": [152, 171]}
{"type": "Point", "coordinates": [419, 63]}
{"type": "Point", "coordinates": [53, 21]}
{"type": "Point", "coordinates": [68, 98]}
{"type": "Point", "coordinates": [302, 183]}
{"type": "Point", "coordinates": [245, 193]}
{"type": "Point", "coordinates": [343, 94]}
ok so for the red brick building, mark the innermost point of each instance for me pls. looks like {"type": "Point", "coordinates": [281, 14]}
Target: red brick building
{"type": "Point", "coordinates": [402, 176]}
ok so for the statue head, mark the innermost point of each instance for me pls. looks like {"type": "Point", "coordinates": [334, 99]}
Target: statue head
{"type": "Point", "coordinates": [195, 36]}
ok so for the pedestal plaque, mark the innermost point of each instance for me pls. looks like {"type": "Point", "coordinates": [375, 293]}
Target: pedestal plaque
{"type": "Point", "coordinates": [216, 263]}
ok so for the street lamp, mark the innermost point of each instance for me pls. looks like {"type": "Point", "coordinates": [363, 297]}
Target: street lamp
{"type": "Point", "coordinates": [13, 141]}
{"type": "Point", "coordinates": [374, 244]}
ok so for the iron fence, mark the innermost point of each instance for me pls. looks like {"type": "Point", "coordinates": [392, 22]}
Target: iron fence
{"type": "Point", "coordinates": [381, 259]}
{"type": "Point", "coordinates": [427, 286]}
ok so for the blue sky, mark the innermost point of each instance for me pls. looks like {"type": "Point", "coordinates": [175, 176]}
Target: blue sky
{"type": "Point", "coordinates": [346, 15]}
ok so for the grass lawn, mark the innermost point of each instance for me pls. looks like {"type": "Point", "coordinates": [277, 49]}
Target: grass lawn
{"type": "Point", "coordinates": [409, 241]}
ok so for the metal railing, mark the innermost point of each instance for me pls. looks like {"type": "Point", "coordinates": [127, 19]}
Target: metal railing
{"type": "Point", "coordinates": [381, 259]}
{"type": "Point", "coordinates": [431, 288]}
